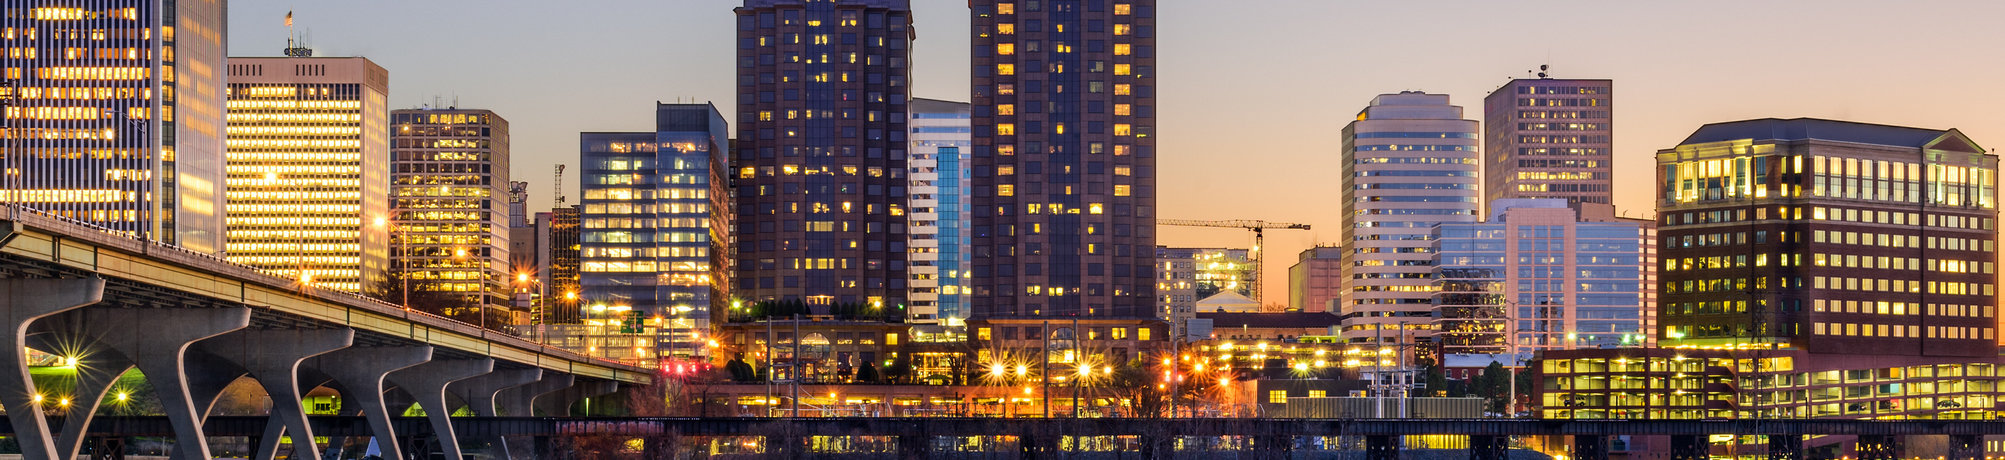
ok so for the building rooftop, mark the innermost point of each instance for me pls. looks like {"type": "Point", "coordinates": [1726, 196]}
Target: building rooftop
{"type": "Point", "coordinates": [1290, 320]}
{"type": "Point", "coordinates": [1815, 128]}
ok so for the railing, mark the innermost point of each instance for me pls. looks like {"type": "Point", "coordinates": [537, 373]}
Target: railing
{"type": "Point", "coordinates": [253, 274]}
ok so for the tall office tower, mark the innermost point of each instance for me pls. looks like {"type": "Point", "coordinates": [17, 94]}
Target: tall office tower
{"type": "Point", "coordinates": [106, 127]}
{"type": "Point", "coordinates": [1568, 279]}
{"type": "Point", "coordinates": [1316, 280]}
{"type": "Point", "coordinates": [1830, 237]}
{"type": "Point", "coordinates": [558, 234]}
{"type": "Point", "coordinates": [648, 235]}
{"type": "Point", "coordinates": [822, 92]}
{"type": "Point", "coordinates": [1550, 138]}
{"type": "Point", "coordinates": [309, 169]}
{"type": "Point", "coordinates": [1064, 159]}
{"type": "Point", "coordinates": [938, 213]}
{"type": "Point", "coordinates": [518, 204]}
{"type": "Point", "coordinates": [1409, 163]}
{"type": "Point", "coordinates": [448, 177]}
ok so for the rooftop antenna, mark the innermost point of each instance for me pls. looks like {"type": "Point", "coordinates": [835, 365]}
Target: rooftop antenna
{"type": "Point", "coordinates": [292, 48]}
{"type": "Point", "coordinates": [1542, 72]}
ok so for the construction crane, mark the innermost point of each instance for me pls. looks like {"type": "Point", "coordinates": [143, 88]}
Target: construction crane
{"type": "Point", "coordinates": [1259, 228]}
{"type": "Point", "coordinates": [558, 193]}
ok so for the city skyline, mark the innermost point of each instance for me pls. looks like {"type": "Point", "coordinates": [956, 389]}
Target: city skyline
{"type": "Point", "coordinates": [554, 87]}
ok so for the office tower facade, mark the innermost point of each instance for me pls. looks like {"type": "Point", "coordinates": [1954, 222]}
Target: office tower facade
{"type": "Point", "coordinates": [1828, 236]}
{"type": "Point", "coordinates": [1316, 280]}
{"type": "Point", "coordinates": [1063, 159]}
{"type": "Point", "coordinates": [1538, 275]}
{"type": "Point", "coordinates": [518, 204]}
{"type": "Point", "coordinates": [558, 235]}
{"type": "Point", "coordinates": [448, 197]}
{"type": "Point", "coordinates": [1409, 163]}
{"type": "Point", "coordinates": [822, 92]}
{"type": "Point", "coordinates": [1550, 138]}
{"type": "Point", "coordinates": [309, 169]}
{"type": "Point", "coordinates": [938, 212]}
{"type": "Point", "coordinates": [107, 128]}
{"type": "Point", "coordinates": [648, 242]}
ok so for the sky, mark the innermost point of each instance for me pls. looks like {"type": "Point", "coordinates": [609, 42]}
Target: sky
{"type": "Point", "coordinates": [1252, 94]}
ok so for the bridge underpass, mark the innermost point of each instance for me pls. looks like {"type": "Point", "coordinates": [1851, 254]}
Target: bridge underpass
{"type": "Point", "coordinates": [1276, 438]}
{"type": "Point", "coordinates": [193, 324]}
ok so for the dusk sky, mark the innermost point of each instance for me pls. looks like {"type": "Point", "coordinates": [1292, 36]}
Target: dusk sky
{"type": "Point", "coordinates": [1253, 93]}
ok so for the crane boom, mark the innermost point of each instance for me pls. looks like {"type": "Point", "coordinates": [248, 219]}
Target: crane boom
{"type": "Point", "coordinates": [1259, 228]}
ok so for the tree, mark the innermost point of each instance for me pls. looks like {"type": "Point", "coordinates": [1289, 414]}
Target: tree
{"type": "Point", "coordinates": [1493, 385]}
{"type": "Point", "coordinates": [868, 374]}
{"type": "Point", "coordinates": [427, 296]}
{"type": "Point", "coordinates": [740, 370]}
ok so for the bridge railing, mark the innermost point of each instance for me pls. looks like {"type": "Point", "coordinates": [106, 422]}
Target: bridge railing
{"type": "Point", "coordinates": [16, 212]}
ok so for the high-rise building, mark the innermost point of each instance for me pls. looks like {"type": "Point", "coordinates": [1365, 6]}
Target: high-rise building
{"type": "Point", "coordinates": [1541, 276]}
{"type": "Point", "coordinates": [1063, 159]}
{"type": "Point", "coordinates": [448, 180]}
{"type": "Point", "coordinates": [1828, 236]}
{"type": "Point", "coordinates": [648, 238]}
{"type": "Point", "coordinates": [558, 235]}
{"type": "Point", "coordinates": [309, 169]}
{"type": "Point", "coordinates": [1185, 276]}
{"type": "Point", "coordinates": [1550, 138]}
{"type": "Point", "coordinates": [1316, 280]}
{"type": "Point", "coordinates": [108, 127]}
{"type": "Point", "coordinates": [822, 92]}
{"type": "Point", "coordinates": [1409, 163]}
{"type": "Point", "coordinates": [938, 215]}
{"type": "Point", "coordinates": [518, 204]}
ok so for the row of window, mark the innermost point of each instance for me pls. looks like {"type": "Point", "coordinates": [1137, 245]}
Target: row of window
{"type": "Point", "coordinates": [1896, 331]}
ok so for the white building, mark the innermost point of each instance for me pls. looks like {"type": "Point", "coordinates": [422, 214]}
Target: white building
{"type": "Point", "coordinates": [937, 229]}
{"type": "Point", "coordinates": [1410, 161]}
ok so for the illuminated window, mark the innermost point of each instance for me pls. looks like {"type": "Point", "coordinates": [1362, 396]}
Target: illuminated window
{"type": "Point", "coordinates": [1006, 28]}
{"type": "Point", "coordinates": [1005, 190]}
{"type": "Point", "coordinates": [1005, 109]}
{"type": "Point", "coordinates": [1005, 129]}
{"type": "Point", "coordinates": [1122, 89]}
{"type": "Point", "coordinates": [1121, 29]}
{"type": "Point", "coordinates": [1118, 171]}
{"type": "Point", "coordinates": [1005, 8]}
{"type": "Point", "coordinates": [1121, 49]}
{"type": "Point", "coordinates": [1121, 190]}
{"type": "Point", "coordinates": [1121, 69]}
{"type": "Point", "coordinates": [1005, 49]}
{"type": "Point", "coordinates": [1142, 334]}
{"type": "Point", "coordinates": [1005, 69]}
{"type": "Point", "coordinates": [1123, 129]}
{"type": "Point", "coordinates": [1123, 109]}
{"type": "Point", "coordinates": [1093, 208]}
{"type": "Point", "coordinates": [1005, 170]}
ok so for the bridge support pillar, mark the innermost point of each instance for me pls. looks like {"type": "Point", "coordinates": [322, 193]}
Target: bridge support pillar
{"type": "Point", "coordinates": [158, 340]}
{"type": "Point", "coordinates": [1489, 447]}
{"type": "Point", "coordinates": [1965, 447]}
{"type": "Point", "coordinates": [1785, 447]}
{"type": "Point", "coordinates": [520, 401]}
{"type": "Point", "coordinates": [272, 357]}
{"type": "Point", "coordinates": [98, 366]}
{"type": "Point", "coordinates": [22, 301]}
{"type": "Point", "coordinates": [1878, 447]}
{"type": "Point", "coordinates": [480, 393]}
{"type": "Point", "coordinates": [1590, 447]}
{"type": "Point", "coordinates": [428, 382]}
{"type": "Point", "coordinates": [1689, 447]}
{"type": "Point", "coordinates": [1381, 447]}
{"type": "Point", "coordinates": [558, 403]}
{"type": "Point", "coordinates": [360, 371]}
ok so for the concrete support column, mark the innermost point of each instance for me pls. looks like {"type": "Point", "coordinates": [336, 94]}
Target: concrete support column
{"type": "Point", "coordinates": [1785, 447]}
{"type": "Point", "coordinates": [1965, 447]}
{"type": "Point", "coordinates": [157, 340]}
{"type": "Point", "coordinates": [27, 300]}
{"type": "Point", "coordinates": [480, 392]}
{"type": "Point", "coordinates": [1878, 447]}
{"type": "Point", "coordinates": [1489, 447]}
{"type": "Point", "coordinates": [361, 371]}
{"type": "Point", "coordinates": [98, 367]}
{"type": "Point", "coordinates": [427, 382]}
{"type": "Point", "coordinates": [1689, 447]}
{"type": "Point", "coordinates": [1379, 447]}
{"type": "Point", "coordinates": [1590, 447]}
{"type": "Point", "coordinates": [519, 401]}
{"type": "Point", "coordinates": [558, 404]}
{"type": "Point", "coordinates": [272, 357]}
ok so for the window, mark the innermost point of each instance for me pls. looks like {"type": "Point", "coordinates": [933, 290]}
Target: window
{"type": "Point", "coordinates": [1122, 89]}
{"type": "Point", "coordinates": [1122, 49]}
{"type": "Point", "coordinates": [1318, 393]}
{"type": "Point", "coordinates": [1120, 9]}
{"type": "Point", "coordinates": [1005, 69]}
{"type": "Point", "coordinates": [1006, 129]}
{"type": "Point", "coordinates": [1277, 396]}
{"type": "Point", "coordinates": [1142, 334]}
{"type": "Point", "coordinates": [1006, 190]}
{"type": "Point", "coordinates": [1120, 190]}
{"type": "Point", "coordinates": [1120, 69]}
{"type": "Point", "coordinates": [1005, 48]}
{"type": "Point", "coordinates": [1005, 109]}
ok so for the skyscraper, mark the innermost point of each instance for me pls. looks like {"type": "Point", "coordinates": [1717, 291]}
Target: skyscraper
{"type": "Point", "coordinates": [557, 238]}
{"type": "Point", "coordinates": [939, 211]}
{"type": "Point", "coordinates": [1316, 279]}
{"type": "Point", "coordinates": [1550, 138]}
{"type": "Point", "coordinates": [106, 126]}
{"type": "Point", "coordinates": [1409, 163]}
{"type": "Point", "coordinates": [449, 185]}
{"type": "Point", "coordinates": [822, 92]}
{"type": "Point", "coordinates": [1829, 236]}
{"type": "Point", "coordinates": [309, 169]}
{"type": "Point", "coordinates": [1063, 159]}
{"type": "Point", "coordinates": [648, 239]}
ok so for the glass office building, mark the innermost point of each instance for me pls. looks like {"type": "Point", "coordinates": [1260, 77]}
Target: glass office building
{"type": "Point", "coordinates": [938, 212]}
{"type": "Point", "coordinates": [1540, 277]}
{"type": "Point", "coordinates": [1409, 163]}
{"type": "Point", "coordinates": [647, 238]}
{"type": "Point", "coordinates": [116, 115]}
{"type": "Point", "coordinates": [449, 177]}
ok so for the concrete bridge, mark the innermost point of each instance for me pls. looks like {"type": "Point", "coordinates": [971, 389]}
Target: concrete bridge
{"type": "Point", "coordinates": [194, 323]}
